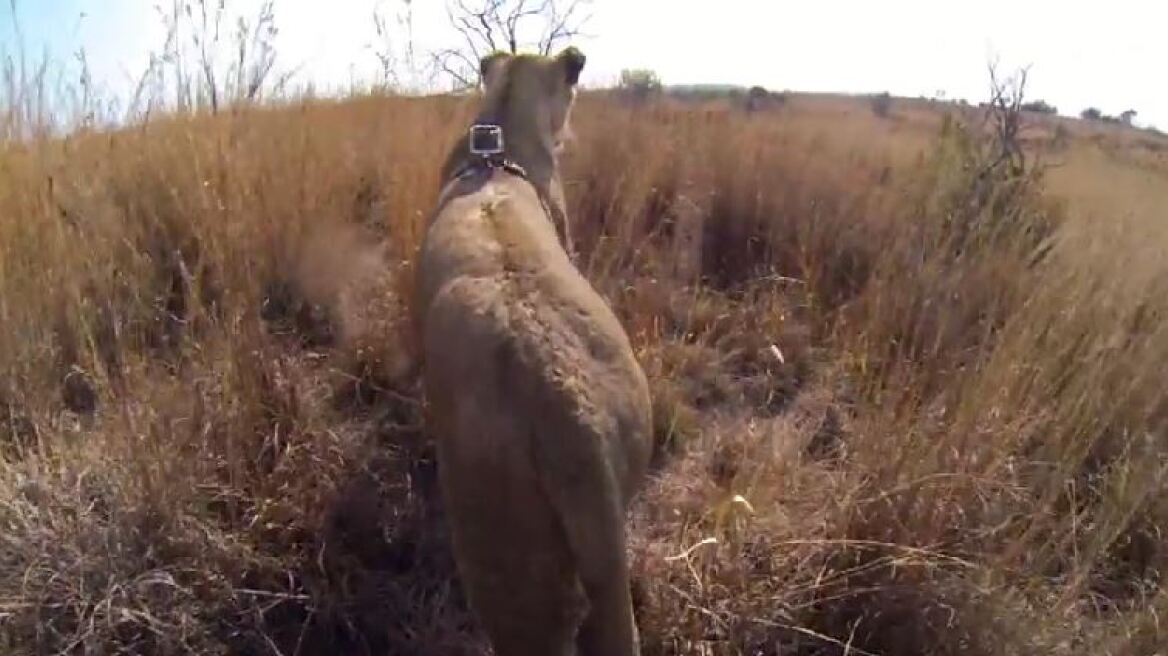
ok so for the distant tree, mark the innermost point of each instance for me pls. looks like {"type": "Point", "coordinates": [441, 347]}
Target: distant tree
{"type": "Point", "coordinates": [1091, 114]}
{"type": "Point", "coordinates": [1062, 137]}
{"type": "Point", "coordinates": [639, 84]}
{"type": "Point", "coordinates": [1040, 107]}
{"type": "Point", "coordinates": [757, 98]}
{"type": "Point", "coordinates": [881, 104]}
{"type": "Point", "coordinates": [1128, 116]}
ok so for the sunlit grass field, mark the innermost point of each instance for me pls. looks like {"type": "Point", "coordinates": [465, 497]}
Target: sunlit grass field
{"type": "Point", "coordinates": [909, 396]}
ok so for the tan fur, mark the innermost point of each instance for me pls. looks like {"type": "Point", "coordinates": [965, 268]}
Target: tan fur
{"type": "Point", "coordinates": [540, 409]}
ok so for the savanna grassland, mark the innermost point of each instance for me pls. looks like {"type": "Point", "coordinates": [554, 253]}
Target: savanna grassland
{"type": "Point", "coordinates": [908, 381]}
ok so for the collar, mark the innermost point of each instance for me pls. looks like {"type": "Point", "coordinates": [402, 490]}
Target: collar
{"type": "Point", "coordinates": [487, 164]}
{"type": "Point", "coordinates": [487, 151]}
{"type": "Point", "coordinates": [486, 147]}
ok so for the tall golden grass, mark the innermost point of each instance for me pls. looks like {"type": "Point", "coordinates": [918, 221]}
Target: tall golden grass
{"type": "Point", "coordinates": [908, 402]}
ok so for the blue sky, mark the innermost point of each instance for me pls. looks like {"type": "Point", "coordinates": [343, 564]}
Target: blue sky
{"type": "Point", "coordinates": [1111, 55]}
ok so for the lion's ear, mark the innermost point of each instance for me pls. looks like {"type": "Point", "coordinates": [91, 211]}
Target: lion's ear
{"type": "Point", "coordinates": [573, 62]}
{"type": "Point", "coordinates": [490, 65]}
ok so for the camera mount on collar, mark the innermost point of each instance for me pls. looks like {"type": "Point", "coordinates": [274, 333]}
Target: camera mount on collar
{"type": "Point", "coordinates": [486, 144]}
{"type": "Point", "coordinates": [486, 141]}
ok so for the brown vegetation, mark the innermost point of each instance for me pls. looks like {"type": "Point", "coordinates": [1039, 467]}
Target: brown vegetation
{"type": "Point", "coordinates": [908, 402]}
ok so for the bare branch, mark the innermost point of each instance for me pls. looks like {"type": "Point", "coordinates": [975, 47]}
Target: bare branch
{"type": "Point", "coordinates": [520, 11]}
{"type": "Point", "coordinates": [563, 26]}
{"type": "Point", "coordinates": [1005, 113]}
{"type": "Point", "coordinates": [513, 25]}
{"type": "Point", "coordinates": [461, 68]}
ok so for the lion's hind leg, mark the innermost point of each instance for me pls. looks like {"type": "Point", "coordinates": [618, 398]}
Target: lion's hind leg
{"type": "Point", "coordinates": [587, 499]}
{"type": "Point", "coordinates": [512, 556]}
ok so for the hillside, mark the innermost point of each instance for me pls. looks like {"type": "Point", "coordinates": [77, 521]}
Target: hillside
{"type": "Point", "coordinates": [908, 391]}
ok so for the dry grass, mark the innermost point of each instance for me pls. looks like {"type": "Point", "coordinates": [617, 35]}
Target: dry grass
{"type": "Point", "coordinates": [885, 425]}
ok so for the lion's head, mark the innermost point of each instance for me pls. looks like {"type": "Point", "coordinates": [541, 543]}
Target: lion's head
{"type": "Point", "coordinates": [531, 92]}
{"type": "Point", "coordinates": [530, 98]}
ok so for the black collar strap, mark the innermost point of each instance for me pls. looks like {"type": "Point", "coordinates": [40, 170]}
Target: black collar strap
{"type": "Point", "coordinates": [487, 164]}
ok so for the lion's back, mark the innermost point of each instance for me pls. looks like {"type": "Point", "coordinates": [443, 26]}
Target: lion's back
{"type": "Point", "coordinates": [514, 367]}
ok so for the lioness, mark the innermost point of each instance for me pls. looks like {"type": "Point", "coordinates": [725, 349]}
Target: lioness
{"type": "Point", "coordinates": [540, 410]}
